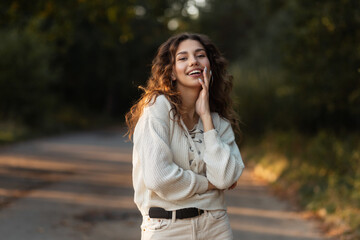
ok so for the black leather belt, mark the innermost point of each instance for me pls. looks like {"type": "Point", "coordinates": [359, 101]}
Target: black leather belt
{"type": "Point", "coordinates": [157, 212]}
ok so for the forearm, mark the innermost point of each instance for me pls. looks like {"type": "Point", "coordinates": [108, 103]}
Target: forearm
{"type": "Point", "coordinates": [223, 161]}
{"type": "Point", "coordinates": [173, 183]}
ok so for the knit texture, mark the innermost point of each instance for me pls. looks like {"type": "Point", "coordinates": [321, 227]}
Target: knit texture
{"type": "Point", "coordinates": [171, 167]}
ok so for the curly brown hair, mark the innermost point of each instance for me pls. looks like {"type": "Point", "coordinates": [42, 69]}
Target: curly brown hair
{"type": "Point", "coordinates": [160, 82]}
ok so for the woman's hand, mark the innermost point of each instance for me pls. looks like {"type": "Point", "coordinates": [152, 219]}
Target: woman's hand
{"type": "Point", "coordinates": [202, 106]}
{"type": "Point", "coordinates": [211, 186]}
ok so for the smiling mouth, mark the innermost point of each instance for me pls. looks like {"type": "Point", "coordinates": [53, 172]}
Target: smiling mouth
{"type": "Point", "coordinates": [195, 73]}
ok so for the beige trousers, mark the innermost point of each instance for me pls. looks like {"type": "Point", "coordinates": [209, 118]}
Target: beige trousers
{"type": "Point", "coordinates": [211, 225]}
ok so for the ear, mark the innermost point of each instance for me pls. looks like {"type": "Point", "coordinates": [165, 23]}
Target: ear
{"type": "Point", "coordinates": [173, 77]}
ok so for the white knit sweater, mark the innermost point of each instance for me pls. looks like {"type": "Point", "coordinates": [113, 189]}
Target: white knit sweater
{"type": "Point", "coordinates": [172, 166]}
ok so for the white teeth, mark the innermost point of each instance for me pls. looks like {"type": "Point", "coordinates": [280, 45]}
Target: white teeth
{"type": "Point", "coordinates": [194, 72]}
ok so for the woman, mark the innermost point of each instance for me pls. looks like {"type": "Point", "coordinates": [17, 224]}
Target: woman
{"type": "Point", "coordinates": [185, 154]}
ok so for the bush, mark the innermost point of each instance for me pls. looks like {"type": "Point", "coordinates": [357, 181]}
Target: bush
{"type": "Point", "coordinates": [322, 170]}
{"type": "Point", "coordinates": [25, 78]}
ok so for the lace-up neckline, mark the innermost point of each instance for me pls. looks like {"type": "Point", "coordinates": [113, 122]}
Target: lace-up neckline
{"type": "Point", "coordinates": [193, 131]}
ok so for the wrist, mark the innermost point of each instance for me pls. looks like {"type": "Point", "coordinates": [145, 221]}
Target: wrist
{"type": "Point", "coordinates": [207, 122]}
{"type": "Point", "coordinates": [211, 186]}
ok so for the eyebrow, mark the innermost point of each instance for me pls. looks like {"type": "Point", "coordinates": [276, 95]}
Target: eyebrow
{"type": "Point", "coordinates": [197, 50]}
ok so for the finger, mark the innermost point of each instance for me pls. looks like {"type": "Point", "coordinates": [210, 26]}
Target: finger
{"type": "Point", "coordinates": [202, 84]}
{"type": "Point", "coordinates": [206, 76]}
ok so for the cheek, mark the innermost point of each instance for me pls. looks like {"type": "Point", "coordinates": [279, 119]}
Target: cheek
{"type": "Point", "coordinates": [206, 62]}
{"type": "Point", "coordinates": [179, 68]}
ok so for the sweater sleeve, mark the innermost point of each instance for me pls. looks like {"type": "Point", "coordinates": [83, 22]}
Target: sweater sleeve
{"type": "Point", "coordinates": [160, 173]}
{"type": "Point", "coordinates": [224, 164]}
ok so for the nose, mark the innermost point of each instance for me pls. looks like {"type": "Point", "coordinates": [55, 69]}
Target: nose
{"type": "Point", "coordinates": [193, 61]}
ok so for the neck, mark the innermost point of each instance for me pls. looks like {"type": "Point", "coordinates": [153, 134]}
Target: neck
{"type": "Point", "coordinates": [188, 111]}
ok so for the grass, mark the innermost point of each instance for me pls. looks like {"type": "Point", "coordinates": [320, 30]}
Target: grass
{"type": "Point", "coordinates": [11, 132]}
{"type": "Point", "coordinates": [322, 171]}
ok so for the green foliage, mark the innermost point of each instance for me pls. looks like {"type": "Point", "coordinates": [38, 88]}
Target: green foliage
{"type": "Point", "coordinates": [25, 78]}
{"type": "Point", "coordinates": [102, 47]}
{"type": "Point", "coordinates": [321, 169]}
{"type": "Point", "coordinates": [101, 51]}
{"type": "Point", "coordinates": [11, 132]}
{"type": "Point", "coordinates": [303, 56]}
{"type": "Point", "coordinates": [296, 64]}
{"type": "Point", "coordinates": [263, 100]}
{"type": "Point", "coordinates": [322, 61]}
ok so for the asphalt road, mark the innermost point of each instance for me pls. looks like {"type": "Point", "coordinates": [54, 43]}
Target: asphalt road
{"type": "Point", "coordinates": [78, 186]}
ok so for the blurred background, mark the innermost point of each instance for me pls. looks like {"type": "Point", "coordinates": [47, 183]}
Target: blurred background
{"type": "Point", "coordinates": [75, 65]}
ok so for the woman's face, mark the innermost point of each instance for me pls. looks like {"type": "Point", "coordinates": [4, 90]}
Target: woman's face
{"type": "Point", "coordinates": [190, 61]}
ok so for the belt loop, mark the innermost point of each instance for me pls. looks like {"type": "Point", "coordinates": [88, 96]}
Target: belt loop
{"type": "Point", "coordinates": [173, 217]}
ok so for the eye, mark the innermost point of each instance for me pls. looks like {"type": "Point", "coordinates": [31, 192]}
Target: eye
{"type": "Point", "coordinates": [201, 55]}
{"type": "Point", "coordinates": [182, 59]}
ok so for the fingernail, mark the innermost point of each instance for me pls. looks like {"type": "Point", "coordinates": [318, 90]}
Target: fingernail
{"type": "Point", "coordinates": [205, 69]}
{"type": "Point", "coordinates": [210, 73]}
{"type": "Point", "coordinates": [200, 80]}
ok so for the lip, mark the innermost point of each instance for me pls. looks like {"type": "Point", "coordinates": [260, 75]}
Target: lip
{"type": "Point", "coordinates": [195, 75]}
